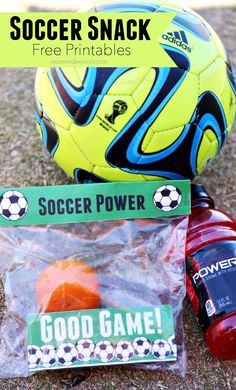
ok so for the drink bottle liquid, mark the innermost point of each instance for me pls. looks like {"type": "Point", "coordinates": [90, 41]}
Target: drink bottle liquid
{"type": "Point", "coordinates": [211, 272]}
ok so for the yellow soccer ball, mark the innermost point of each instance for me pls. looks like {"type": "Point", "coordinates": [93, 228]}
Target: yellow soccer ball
{"type": "Point", "coordinates": [136, 124]}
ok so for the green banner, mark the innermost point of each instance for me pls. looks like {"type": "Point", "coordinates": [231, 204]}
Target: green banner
{"type": "Point", "coordinates": [93, 202]}
{"type": "Point", "coordinates": [101, 336]}
{"type": "Point", "coordinates": [83, 39]}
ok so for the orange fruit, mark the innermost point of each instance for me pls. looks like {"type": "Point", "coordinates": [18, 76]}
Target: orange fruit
{"type": "Point", "coordinates": [67, 285]}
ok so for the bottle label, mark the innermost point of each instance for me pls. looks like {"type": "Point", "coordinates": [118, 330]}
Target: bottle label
{"type": "Point", "coordinates": [211, 274]}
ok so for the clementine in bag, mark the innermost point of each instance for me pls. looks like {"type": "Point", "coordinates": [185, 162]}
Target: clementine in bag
{"type": "Point", "coordinates": [67, 285]}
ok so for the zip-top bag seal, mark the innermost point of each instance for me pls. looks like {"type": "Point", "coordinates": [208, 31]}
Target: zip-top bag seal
{"type": "Point", "coordinates": [100, 281]}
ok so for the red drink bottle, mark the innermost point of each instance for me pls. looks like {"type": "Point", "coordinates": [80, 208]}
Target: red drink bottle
{"type": "Point", "coordinates": [211, 272]}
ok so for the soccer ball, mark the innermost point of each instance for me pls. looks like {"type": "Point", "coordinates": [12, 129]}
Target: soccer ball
{"type": "Point", "coordinates": [104, 351]}
{"type": "Point", "coordinates": [34, 356]}
{"type": "Point", "coordinates": [66, 354]}
{"type": "Point", "coordinates": [124, 351]}
{"type": "Point", "coordinates": [85, 348]}
{"type": "Point", "coordinates": [137, 124]}
{"type": "Point", "coordinates": [161, 349]}
{"type": "Point", "coordinates": [167, 198]}
{"type": "Point", "coordinates": [13, 205]}
{"type": "Point", "coordinates": [172, 342]}
{"type": "Point", "coordinates": [141, 347]}
{"type": "Point", "coordinates": [49, 357]}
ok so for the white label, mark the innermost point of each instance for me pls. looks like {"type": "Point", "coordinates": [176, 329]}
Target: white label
{"type": "Point", "coordinates": [210, 308]}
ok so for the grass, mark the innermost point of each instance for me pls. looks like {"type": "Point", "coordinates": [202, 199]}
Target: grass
{"type": "Point", "coordinates": [24, 162]}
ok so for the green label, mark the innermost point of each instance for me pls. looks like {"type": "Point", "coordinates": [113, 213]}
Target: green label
{"type": "Point", "coordinates": [93, 202]}
{"type": "Point", "coordinates": [83, 39]}
{"type": "Point", "coordinates": [101, 336]}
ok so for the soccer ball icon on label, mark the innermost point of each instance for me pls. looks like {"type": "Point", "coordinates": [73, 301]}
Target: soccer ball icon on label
{"type": "Point", "coordinates": [34, 356]}
{"type": "Point", "coordinates": [124, 351]}
{"type": "Point", "coordinates": [85, 348]}
{"type": "Point", "coordinates": [173, 345]}
{"type": "Point", "coordinates": [13, 205]}
{"type": "Point", "coordinates": [66, 354]}
{"type": "Point", "coordinates": [161, 349]}
{"type": "Point", "coordinates": [104, 351]}
{"type": "Point", "coordinates": [49, 357]}
{"type": "Point", "coordinates": [167, 198]}
{"type": "Point", "coordinates": [141, 346]}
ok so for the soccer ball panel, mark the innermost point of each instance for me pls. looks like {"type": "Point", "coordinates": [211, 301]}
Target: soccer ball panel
{"type": "Point", "coordinates": [52, 106]}
{"type": "Point", "coordinates": [174, 204]}
{"type": "Point", "coordinates": [22, 203]}
{"type": "Point", "coordinates": [166, 208]}
{"type": "Point", "coordinates": [14, 199]}
{"type": "Point", "coordinates": [19, 215]}
{"type": "Point", "coordinates": [6, 213]}
{"type": "Point", "coordinates": [77, 155]}
{"type": "Point", "coordinates": [165, 201]}
{"type": "Point", "coordinates": [174, 195]}
{"type": "Point", "coordinates": [17, 194]}
{"type": "Point", "coordinates": [165, 192]}
{"type": "Point", "coordinates": [153, 178]}
{"type": "Point", "coordinates": [101, 131]}
{"type": "Point", "coordinates": [101, 6]}
{"type": "Point", "coordinates": [14, 208]}
{"type": "Point", "coordinates": [14, 217]}
{"type": "Point", "coordinates": [195, 43]}
{"type": "Point", "coordinates": [157, 141]}
{"type": "Point", "coordinates": [222, 89]}
{"type": "Point", "coordinates": [131, 82]}
{"type": "Point", "coordinates": [160, 189]}
{"type": "Point", "coordinates": [81, 72]}
{"type": "Point", "coordinates": [75, 76]}
{"type": "Point", "coordinates": [5, 203]}
{"type": "Point", "coordinates": [140, 93]}
{"type": "Point", "coordinates": [7, 194]}
{"type": "Point", "coordinates": [207, 150]}
{"type": "Point", "coordinates": [108, 174]}
{"type": "Point", "coordinates": [215, 40]}
{"type": "Point", "coordinates": [158, 196]}
{"type": "Point", "coordinates": [171, 188]}
{"type": "Point", "coordinates": [173, 116]}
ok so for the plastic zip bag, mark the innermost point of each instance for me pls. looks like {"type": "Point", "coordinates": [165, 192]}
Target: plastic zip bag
{"type": "Point", "coordinates": [139, 263]}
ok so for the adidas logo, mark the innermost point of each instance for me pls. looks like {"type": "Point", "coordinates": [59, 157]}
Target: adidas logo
{"type": "Point", "coordinates": [179, 38]}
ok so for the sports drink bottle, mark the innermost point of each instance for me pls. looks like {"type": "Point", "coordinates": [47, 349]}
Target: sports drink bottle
{"type": "Point", "coordinates": [211, 272]}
